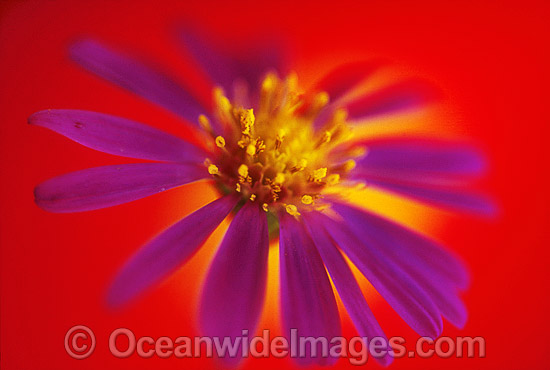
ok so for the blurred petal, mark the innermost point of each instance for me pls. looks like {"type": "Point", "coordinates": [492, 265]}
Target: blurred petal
{"type": "Point", "coordinates": [401, 292]}
{"type": "Point", "coordinates": [225, 68]}
{"type": "Point", "coordinates": [410, 245]}
{"type": "Point", "coordinates": [347, 287]}
{"type": "Point", "coordinates": [234, 291]}
{"type": "Point", "coordinates": [436, 271]}
{"type": "Point", "coordinates": [118, 136]}
{"type": "Point", "coordinates": [106, 186]}
{"type": "Point", "coordinates": [164, 254]}
{"type": "Point", "coordinates": [402, 96]}
{"type": "Point", "coordinates": [345, 77]}
{"type": "Point", "coordinates": [420, 160]}
{"type": "Point", "coordinates": [457, 199]}
{"type": "Point", "coordinates": [307, 299]}
{"type": "Point", "coordinates": [145, 80]}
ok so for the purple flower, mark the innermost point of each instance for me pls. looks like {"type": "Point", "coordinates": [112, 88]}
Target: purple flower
{"type": "Point", "coordinates": [281, 161]}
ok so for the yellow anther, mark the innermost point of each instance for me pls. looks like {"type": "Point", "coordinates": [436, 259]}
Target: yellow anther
{"type": "Point", "coordinates": [220, 142]}
{"type": "Point", "coordinates": [247, 120]}
{"type": "Point", "coordinates": [279, 178]}
{"type": "Point", "coordinates": [269, 82]}
{"type": "Point", "coordinates": [349, 165]}
{"type": "Point", "coordinates": [238, 188]}
{"type": "Point", "coordinates": [333, 179]}
{"type": "Point", "coordinates": [320, 100]}
{"type": "Point", "coordinates": [319, 174]}
{"type": "Point", "coordinates": [213, 169]}
{"type": "Point", "coordinates": [253, 197]}
{"type": "Point", "coordinates": [292, 210]}
{"type": "Point", "coordinates": [243, 170]}
{"type": "Point", "coordinates": [264, 207]}
{"type": "Point", "coordinates": [307, 199]}
{"type": "Point", "coordinates": [205, 123]}
{"type": "Point", "coordinates": [251, 149]}
{"type": "Point", "coordinates": [326, 137]}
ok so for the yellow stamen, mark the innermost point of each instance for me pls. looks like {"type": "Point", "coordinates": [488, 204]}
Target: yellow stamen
{"type": "Point", "coordinates": [251, 150]}
{"type": "Point", "coordinates": [279, 178]}
{"type": "Point", "coordinates": [292, 210]}
{"type": "Point", "coordinates": [243, 170]}
{"type": "Point", "coordinates": [238, 188]}
{"type": "Point", "coordinates": [333, 179]}
{"type": "Point", "coordinates": [205, 123]}
{"type": "Point", "coordinates": [213, 169]}
{"type": "Point", "coordinates": [253, 197]}
{"type": "Point", "coordinates": [220, 142]}
{"type": "Point", "coordinates": [319, 174]}
{"type": "Point", "coordinates": [307, 199]}
{"type": "Point", "coordinates": [264, 207]}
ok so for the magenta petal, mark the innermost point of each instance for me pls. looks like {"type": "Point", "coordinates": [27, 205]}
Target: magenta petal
{"type": "Point", "coordinates": [307, 299]}
{"type": "Point", "coordinates": [118, 136]}
{"type": "Point", "coordinates": [345, 77]}
{"type": "Point", "coordinates": [435, 270]}
{"type": "Point", "coordinates": [420, 161]}
{"type": "Point", "coordinates": [403, 294]}
{"type": "Point", "coordinates": [410, 245]}
{"type": "Point", "coordinates": [403, 96]}
{"type": "Point", "coordinates": [457, 199]}
{"type": "Point", "coordinates": [169, 250]}
{"type": "Point", "coordinates": [145, 80]}
{"type": "Point", "coordinates": [106, 186]}
{"type": "Point", "coordinates": [347, 287]}
{"type": "Point", "coordinates": [234, 291]}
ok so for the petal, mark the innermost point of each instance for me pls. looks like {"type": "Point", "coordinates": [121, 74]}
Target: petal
{"type": "Point", "coordinates": [403, 294]}
{"type": "Point", "coordinates": [435, 270]}
{"type": "Point", "coordinates": [345, 77]}
{"type": "Point", "coordinates": [145, 80]}
{"type": "Point", "coordinates": [169, 250]}
{"type": "Point", "coordinates": [234, 291]}
{"type": "Point", "coordinates": [219, 66]}
{"type": "Point", "coordinates": [419, 160]}
{"type": "Point", "coordinates": [403, 96]}
{"type": "Point", "coordinates": [225, 67]}
{"type": "Point", "coordinates": [307, 299]}
{"type": "Point", "coordinates": [410, 245]}
{"type": "Point", "coordinates": [347, 287]}
{"type": "Point", "coordinates": [453, 198]}
{"type": "Point", "coordinates": [118, 136]}
{"type": "Point", "coordinates": [106, 186]}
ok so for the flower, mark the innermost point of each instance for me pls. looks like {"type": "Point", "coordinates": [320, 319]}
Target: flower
{"type": "Point", "coordinates": [282, 162]}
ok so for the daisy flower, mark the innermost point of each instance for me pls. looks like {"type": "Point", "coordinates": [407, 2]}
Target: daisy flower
{"type": "Point", "coordinates": [283, 162]}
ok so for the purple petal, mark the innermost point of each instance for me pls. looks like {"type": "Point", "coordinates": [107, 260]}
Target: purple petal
{"type": "Point", "coordinates": [444, 197]}
{"type": "Point", "coordinates": [435, 270]}
{"type": "Point", "coordinates": [118, 136]}
{"type": "Point", "coordinates": [234, 291]}
{"type": "Point", "coordinates": [145, 80]}
{"type": "Point", "coordinates": [403, 96]}
{"type": "Point", "coordinates": [169, 250]}
{"type": "Point", "coordinates": [106, 186]}
{"type": "Point", "coordinates": [345, 77]}
{"type": "Point", "coordinates": [218, 65]}
{"type": "Point", "coordinates": [307, 299]}
{"type": "Point", "coordinates": [407, 243]}
{"type": "Point", "coordinates": [418, 160]}
{"type": "Point", "coordinates": [401, 292]}
{"type": "Point", "coordinates": [347, 287]}
{"type": "Point", "coordinates": [225, 67]}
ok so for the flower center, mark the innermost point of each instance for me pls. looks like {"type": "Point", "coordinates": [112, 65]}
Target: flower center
{"type": "Point", "coordinates": [274, 155]}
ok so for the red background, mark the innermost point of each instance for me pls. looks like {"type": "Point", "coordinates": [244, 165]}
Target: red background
{"type": "Point", "coordinates": [491, 59]}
